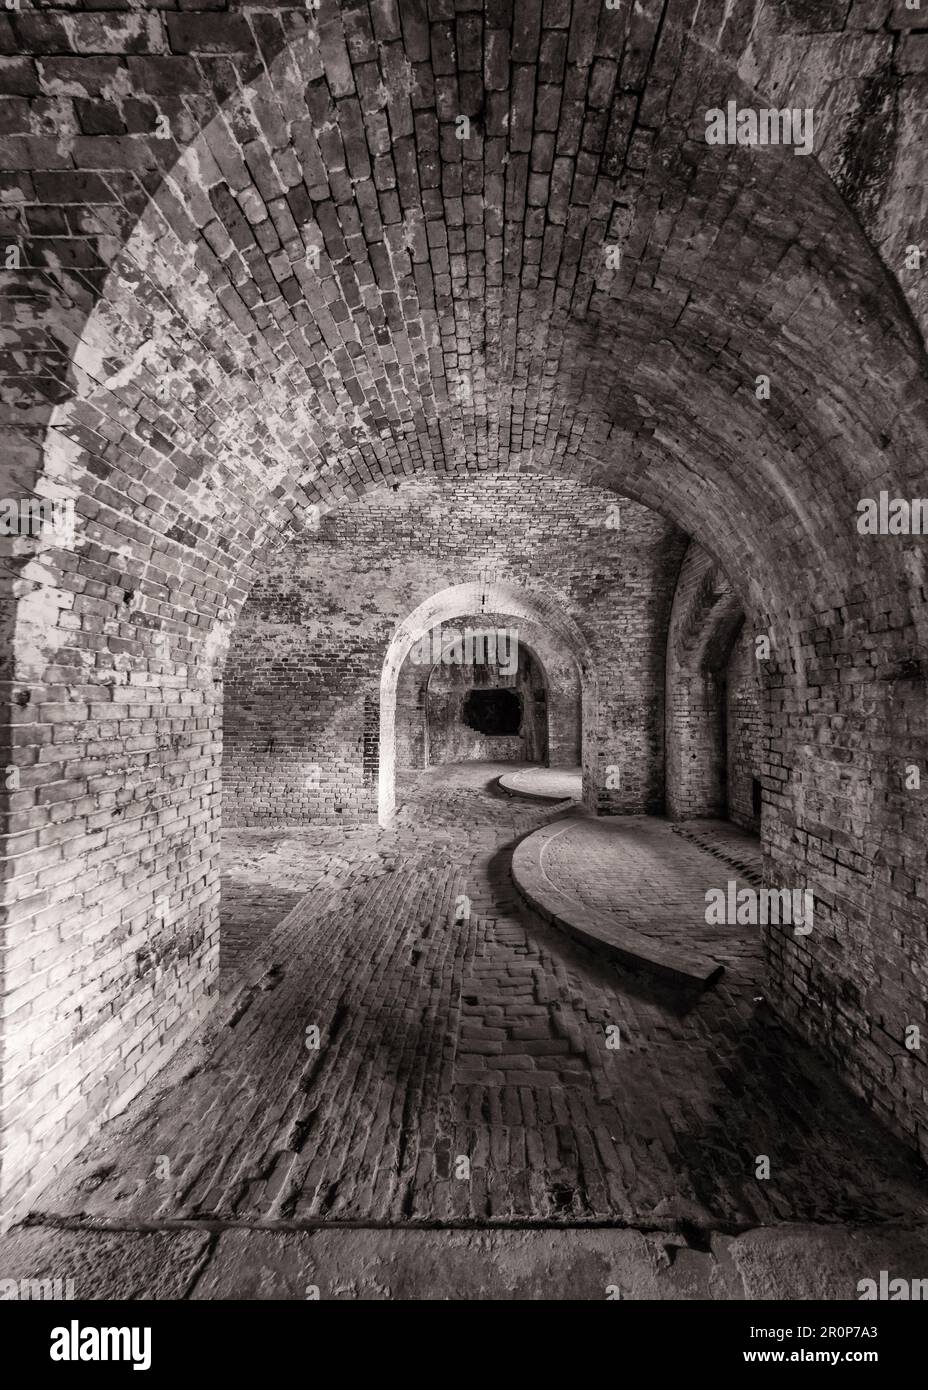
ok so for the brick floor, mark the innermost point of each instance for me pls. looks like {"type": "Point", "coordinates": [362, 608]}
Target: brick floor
{"type": "Point", "coordinates": [452, 1026]}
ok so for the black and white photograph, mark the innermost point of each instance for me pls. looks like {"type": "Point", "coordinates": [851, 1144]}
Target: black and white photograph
{"type": "Point", "coordinates": [464, 604]}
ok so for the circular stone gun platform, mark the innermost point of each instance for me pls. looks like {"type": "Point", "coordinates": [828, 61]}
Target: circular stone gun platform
{"type": "Point", "coordinates": [624, 887]}
{"type": "Point", "coordinates": [544, 783]}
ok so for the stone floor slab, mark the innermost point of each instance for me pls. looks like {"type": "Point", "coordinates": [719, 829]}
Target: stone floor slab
{"type": "Point", "coordinates": [545, 783]}
{"type": "Point", "coordinates": [462, 1072]}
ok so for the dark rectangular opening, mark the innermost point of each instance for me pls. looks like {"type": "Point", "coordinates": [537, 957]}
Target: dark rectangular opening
{"type": "Point", "coordinates": [497, 713]}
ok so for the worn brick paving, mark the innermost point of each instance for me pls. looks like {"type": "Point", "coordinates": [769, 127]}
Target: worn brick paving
{"type": "Point", "coordinates": [556, 783]}
{"type": "Point", "coordinates": [265, 873]}
{"type": "Point", "coordinates": [455, 1029]}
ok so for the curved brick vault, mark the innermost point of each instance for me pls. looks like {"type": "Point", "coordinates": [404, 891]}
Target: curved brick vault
{"type": "Point", "coordinates": [184, 370]}
{"type": "Point", "coordinates": [496, 596]}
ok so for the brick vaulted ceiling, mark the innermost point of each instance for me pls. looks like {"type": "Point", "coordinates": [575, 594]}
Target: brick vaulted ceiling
{"type": "Point", "coordinates": [183, 365]}
{"type": "Point", "coordinates": [259, 273]}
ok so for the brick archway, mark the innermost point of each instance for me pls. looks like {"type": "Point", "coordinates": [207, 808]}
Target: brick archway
{"type": "Point", "coordinates": [198, 385]}
{"type": "Point", "coordinates": [705, 621]}
{"type": "Point", "coordinates": [562, 684]}
{"type": "Point", "coordinates": [484, 595]}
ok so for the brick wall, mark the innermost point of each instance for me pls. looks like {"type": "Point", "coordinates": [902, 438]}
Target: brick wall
{"type": "Point", "coordinates": [452, 739]}
{"type": "Point", "coordinates": [111, 929]}
{"type": "Point", "coordinates": [181, 367]}
{"type": "Point", "coordinates": [305, 661]}
{"type": "Point", "coordinates": [563, 697]}
{"type": "Point", "coordinates": [744, 733]}
{"type": "Point", "coordinates": [704, 626]}
{"type": "Point", "coordinates": [848, 825]}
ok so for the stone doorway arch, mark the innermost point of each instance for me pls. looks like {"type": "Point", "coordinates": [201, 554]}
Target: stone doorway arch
{"type": "Point", "coordinates": [483, 595]}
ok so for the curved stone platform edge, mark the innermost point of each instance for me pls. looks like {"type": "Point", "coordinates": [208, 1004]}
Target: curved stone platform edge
{"type": "Point", "coordinates": [532, 796]}
{"type": "Point", "coordinates": [597, 928]}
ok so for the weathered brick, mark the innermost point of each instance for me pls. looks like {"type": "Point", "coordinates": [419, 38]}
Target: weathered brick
{"type": "Point", "coordinates": [222, 382]}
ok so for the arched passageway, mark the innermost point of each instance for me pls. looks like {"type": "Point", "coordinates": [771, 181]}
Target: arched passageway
{"type": "Point", "coordinates": [542, 610]}
{"type": "Point", "coordinates": [272, 267]}
{"type": "Point", "coordinates": [716, 699]}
